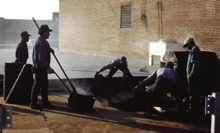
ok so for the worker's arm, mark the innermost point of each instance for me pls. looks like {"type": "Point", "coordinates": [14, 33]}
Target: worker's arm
{"type": "Point", "coordinates": [193, 69]}
{"type": "Point", "coordinates": [147, 81]}
{"type": "Point", "coordinates": [110, 65]}
{"type": "Point", "coordinates": [196, 55]}
{"type": "Point", "coordinates": [103, 68]}
{"type": "Point", "coordinates": [125, 74]}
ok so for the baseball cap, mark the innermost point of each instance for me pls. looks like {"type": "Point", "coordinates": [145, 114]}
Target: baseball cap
{"type": "Point", "coordinates": [25, 33]}
{"type": "Point", "coordinates": [123, 59]}
{"type": "Point", "coordinates": [188, 40]}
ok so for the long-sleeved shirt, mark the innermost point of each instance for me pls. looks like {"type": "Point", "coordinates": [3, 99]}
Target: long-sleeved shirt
{"type": "Point", "coordinates": [165, 72]}
{"type": "Point", "coordinates": [21, 52]}
{"type": "Point", "coordinates": [41, 54]}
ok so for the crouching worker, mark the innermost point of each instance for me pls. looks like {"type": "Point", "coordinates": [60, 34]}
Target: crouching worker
{"type": "Point", "coordinates": [41, 61]}
{"type": "Point", "coordinates": [120, 63]}
{"type": "Point", "coordinates": [163, 79]}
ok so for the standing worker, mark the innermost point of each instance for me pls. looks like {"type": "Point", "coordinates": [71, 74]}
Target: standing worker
{"type": "Point", "coordinates": [119, 63]}
{"type": "Point", "coordinates": [22, 49]}
{"type": "Point", "coordinates": [41, 62]}
{"type": "Point", "coordinates": [165, 78]}
{"type": "Point", "coordinates": [193, 70]}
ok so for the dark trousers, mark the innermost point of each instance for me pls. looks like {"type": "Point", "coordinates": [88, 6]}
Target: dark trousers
{"type": "Point", "coordinates": [40, 85]}
{"type": "Point", "coordinates": [194, 86]}
{"type": "Point", "coordinates": [194, 94]}
{"type": "Point", "coordinates": [157, 89]}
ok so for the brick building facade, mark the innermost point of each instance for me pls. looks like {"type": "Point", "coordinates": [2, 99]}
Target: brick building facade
{"type": "Point", "coordinates": [96, 25]}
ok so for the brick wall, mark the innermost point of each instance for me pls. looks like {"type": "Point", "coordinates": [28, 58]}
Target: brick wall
{"type": "Point", "coordinates": [94, 25]}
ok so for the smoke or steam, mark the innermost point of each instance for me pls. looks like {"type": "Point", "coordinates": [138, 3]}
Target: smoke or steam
{"type": "Point", "coordinates": [83, 87]}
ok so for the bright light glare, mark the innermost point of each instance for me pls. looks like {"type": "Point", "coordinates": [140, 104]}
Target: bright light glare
{"type": "Point", "coordinates": [26, 9]}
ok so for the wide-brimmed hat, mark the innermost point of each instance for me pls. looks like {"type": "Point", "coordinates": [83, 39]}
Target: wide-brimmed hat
{"type": "Point", "coordinates": [25, 33]}
{"type": "Point", "coordinates": [188, 40]}
{"type": "Point", "coordinates": [44, 28]}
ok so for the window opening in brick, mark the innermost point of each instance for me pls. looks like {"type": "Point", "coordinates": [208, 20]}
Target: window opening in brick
{"type": "Point", "coordinates": [125, 16]}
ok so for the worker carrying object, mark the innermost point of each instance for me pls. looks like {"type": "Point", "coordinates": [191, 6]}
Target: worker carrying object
{"type": "Point", "coordinates": [41, 61]}
{"type": "Point", "coordinates": [119, 63]}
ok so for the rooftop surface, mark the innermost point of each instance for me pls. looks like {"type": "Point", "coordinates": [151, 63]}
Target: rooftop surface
{"type": "Point", "coordinates": [63, 119]}
{"type": "Point", "coordinates": [79, 64]}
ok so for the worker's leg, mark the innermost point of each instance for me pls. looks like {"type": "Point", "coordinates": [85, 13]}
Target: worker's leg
{"type": "Point", "coordinates": [152, 96]}
{"type": "Point", "coordinates": [196, 96]}
{"type": "Point", "coordinates": [157, 89]}
{"type": "Point", "coordinates": [112, 72]}
{"type": "Point", "coordinates": [44, 88]}
{"type": "Point", "coordinates": [35, 91]}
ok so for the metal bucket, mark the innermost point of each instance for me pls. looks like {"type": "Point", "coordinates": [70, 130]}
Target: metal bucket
{"type": "Point", "coordinates": [81, 103]}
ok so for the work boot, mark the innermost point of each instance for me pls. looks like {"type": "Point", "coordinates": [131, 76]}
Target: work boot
{"type": "Point", "coordinates": [48, 106]}
{"type": "Point", "coordinates": [36, 106]}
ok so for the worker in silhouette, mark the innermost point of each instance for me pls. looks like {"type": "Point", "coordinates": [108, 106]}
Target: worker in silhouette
{"type": "Point", "coordinates": [193, 71]}
{"type": "Point", "coordinates": [41, 62]}
{"type": "Point", "coordinates": [22, 49]}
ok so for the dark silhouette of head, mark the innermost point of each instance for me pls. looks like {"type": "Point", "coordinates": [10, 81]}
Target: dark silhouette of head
{"type": "Point", "coordinates": [123, 59]}
{"type": "Point", "coordinates": [170, 64]}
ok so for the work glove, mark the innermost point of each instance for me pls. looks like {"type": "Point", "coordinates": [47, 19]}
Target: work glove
{"type": "Point", "coordinates": [52, 51]}
{"type": "Point", "coordinates": [50, 70]}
